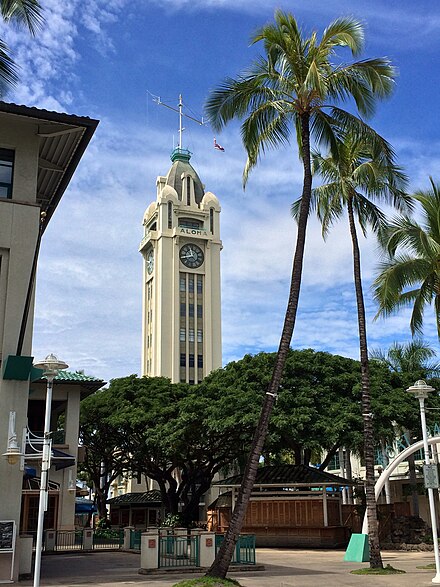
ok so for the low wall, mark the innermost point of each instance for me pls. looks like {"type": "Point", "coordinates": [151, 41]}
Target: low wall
{"type": "Point", "coordinates": [330, 537]}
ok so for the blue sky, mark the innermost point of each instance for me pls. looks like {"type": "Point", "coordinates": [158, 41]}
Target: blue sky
{"type": "Point", "coordinates": [101, 58]}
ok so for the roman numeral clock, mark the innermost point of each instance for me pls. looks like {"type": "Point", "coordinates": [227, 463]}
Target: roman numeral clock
{"type": "Point", "coordinates": [181, 317]}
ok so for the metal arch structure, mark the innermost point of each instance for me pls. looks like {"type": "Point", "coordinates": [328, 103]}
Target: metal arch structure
{"type": "Point", "coordinates": [386, 473]}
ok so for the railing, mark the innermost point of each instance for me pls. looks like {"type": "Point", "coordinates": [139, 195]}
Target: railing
{"type": "Point", "coordinates": [110, 539]}
{"type": "Point", "coordinates": [244, 549]}
{"type": "Point", "coordinates": [69, 540]}
{"type": "Point", "coordinates": [178, 551]}
{"type": "Point", "coordinates": [135, 539]}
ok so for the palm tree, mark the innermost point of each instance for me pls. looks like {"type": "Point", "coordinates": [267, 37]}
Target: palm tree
{"type": "Point", "coordinates": [19, 12]}
{"type": "Point", "coordinates": [416, 262]}
{"type": "Point", "coordinates": [294, 88]}
{"type": "Point", "coordinates": [415, 361]}
{"type": "Point", "coordinates": [414, 357]}
{"type": "Point", "coordinates": [358, 174]}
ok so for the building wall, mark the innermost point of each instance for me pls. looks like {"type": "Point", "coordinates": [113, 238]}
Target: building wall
{"type": "Point", "coordinates": [19, 223]}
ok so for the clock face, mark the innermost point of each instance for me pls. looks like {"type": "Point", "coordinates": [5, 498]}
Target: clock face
{"type": "Point", "coordinates": [150, 261]}
{"type": "Point", "coordinates": [191, 256]}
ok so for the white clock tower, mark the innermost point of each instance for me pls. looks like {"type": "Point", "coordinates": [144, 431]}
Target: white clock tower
{"type": "Point", "coordinates": [181, 317]}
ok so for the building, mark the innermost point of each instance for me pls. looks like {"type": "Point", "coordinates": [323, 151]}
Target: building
{"type": "Point", "coordinates": [39, 153]}
{"type": "Point", "coordinates": [181, 319]}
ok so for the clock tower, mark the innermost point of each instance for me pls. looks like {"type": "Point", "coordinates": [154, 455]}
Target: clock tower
{"type": "Point", "coordinates": [181, 313]}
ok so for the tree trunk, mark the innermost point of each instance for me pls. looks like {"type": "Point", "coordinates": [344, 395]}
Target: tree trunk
{"type": "Point", "coordinates": [223, 559]}
{"type": "Point", "coordinates": [367, 416]}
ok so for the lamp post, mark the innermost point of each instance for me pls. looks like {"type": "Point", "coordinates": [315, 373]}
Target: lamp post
{"type": "Point", "coordinates": [51, 367]}
{"type": "Point", "coordinates": [420, 390]}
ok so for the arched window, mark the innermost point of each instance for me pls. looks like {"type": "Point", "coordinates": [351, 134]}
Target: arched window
{"type": "Point", "coordinates": [170, 215]}
{"type": "Point", "coordinates": [211, 220]}
{"type": "Point", "coordinates": [188, 191]}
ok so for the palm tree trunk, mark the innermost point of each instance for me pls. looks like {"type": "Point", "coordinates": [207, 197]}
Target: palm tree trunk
{"type": "Point", "coordinates": [223, 559]}
{"type": "Point", "coordinates": [373, 531]}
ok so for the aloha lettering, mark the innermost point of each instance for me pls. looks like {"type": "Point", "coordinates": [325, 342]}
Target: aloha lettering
{"type": "Point", "coordinates": [193, 231]}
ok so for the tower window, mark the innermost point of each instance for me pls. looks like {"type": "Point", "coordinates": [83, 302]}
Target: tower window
{"type": "Point", "coordinates": [182, 308]}
{"type": "Point", "coordinates": [211, 220]}
{"type": "Point", "coordinates": [199, 284]}
{"type": "Point", "coordinates": [182, 335]}
{"type": "Point", "coordinates": [191, 310]}
{"type": "Point", "coordinates": [191, 283]}
{"type": "Point", "coordinates": [183, 359]}
{"type": "Point", "coordinates": [191, 335]}
{"type": "Point", "coordinates": [199, 311]}
{"type": "Point", "coordinates": [191, 360]}
{"type": "Point", "coordinates": [200, 361]}
{"type": "Point", "coordinates": [188, 191]}
{"type": "Point", "coordinates": [182, 283]}
{"type": "Point", "coordinates": [170, 215]}
{"type": "Point", "coordinates": [199, 335]}
{"type": "Point", "coordinates": [6, 172]}
{"type": "Point", "coordinates": [190, 223]}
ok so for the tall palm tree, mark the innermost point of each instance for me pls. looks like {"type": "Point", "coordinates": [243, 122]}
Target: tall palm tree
{"type": "Point", "coordinates": [414, 256]}
{"type": "Point", "coordinates": [358, 174]}
{"type": "Point", "coordinates": [19, 12]}
{"type": "Point", "coordinates": [295, 88]}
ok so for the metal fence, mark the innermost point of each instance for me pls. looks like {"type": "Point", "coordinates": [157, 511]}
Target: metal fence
{"type": "Point", "coordinates": [135, 539]}
{"type": "Point", "coordinates": [108, 539]}
{"type": "Point", "coordinates": [244, 549]}
{"type": "Point", "coordinates": [178, 551]}
{"type": "Point", "coordinates": [69, 540]}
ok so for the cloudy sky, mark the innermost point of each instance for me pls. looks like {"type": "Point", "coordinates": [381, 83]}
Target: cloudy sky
{"type": "Point", "coordinates": [107, 59]}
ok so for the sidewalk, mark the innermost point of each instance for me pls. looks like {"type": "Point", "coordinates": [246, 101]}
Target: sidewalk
{"type": "Point", "coordinates": [284, 568]}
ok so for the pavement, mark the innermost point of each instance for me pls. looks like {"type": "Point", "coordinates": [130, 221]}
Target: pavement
{"type": "Point", "coordinates": [283, 568]}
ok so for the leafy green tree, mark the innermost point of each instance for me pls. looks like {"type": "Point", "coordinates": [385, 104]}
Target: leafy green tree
{"type": "Point", "coordinates": [410, 276]}
{"type": "Point", "coordinates": [103, 459]}
{"type": "Point", "coordinates": [18, 12]}
{"type": "Point", "coordinates": [357, 174]}
{"type": "Point", "coordinates": [295, 87]}
{"type": "Point", "coordinates": [179, 435]}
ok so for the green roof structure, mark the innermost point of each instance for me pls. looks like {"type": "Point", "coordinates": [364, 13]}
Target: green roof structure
{"type": "Point", "coordinates": [152, 497]}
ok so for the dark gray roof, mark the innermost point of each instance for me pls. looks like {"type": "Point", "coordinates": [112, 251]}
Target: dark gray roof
{"type": "Point", "coordinates": [63, 140]}
{"type": "Point", "coordinates": [152, 498]}
{"type": "Point", "coordinates": [181, 164]}
{"type": "Point", "coordinates": [282, 475]}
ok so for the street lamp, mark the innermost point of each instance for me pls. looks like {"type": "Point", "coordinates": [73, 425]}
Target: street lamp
{"type": "Point", "coordinates": [420, 390]}
{"type": "Point", "coordinates": [12, 453]}
{"type": "Point", "coordinates": [51, 367]}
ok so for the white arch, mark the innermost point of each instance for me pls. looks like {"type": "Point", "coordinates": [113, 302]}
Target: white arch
{"type": "Point", "coordinates": [390, 468]}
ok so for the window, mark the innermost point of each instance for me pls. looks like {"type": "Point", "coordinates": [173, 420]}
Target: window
{"type": "Point", "coordinates": [182, 283]}
{"type": "Point", "coordinates": [191, 310]}
{"type": "Point", "coordinates": [183, 359]}
{"type": "Point", "coordinates": [191, 360]}
{"type": "Point", "coordinates": [182, 308]}
{"type": "Point", "coordinates": [211, 220]}
{"type": "Point", "coordinates": [199, 284]}
{"type": "Point", "coordinates": [188, 191]}
{"type": "Point", "coordinates": [6, 172]}
{"type": "Point", "coordinates": [191, 283]}
{"type": "Point", "coordinates": [191, 335]}
{"type": "Point", "coordinates": [200, 361]}
{"type": "Point", "coordinates": [199, 311]}
{"type": "Point", "coordinates": [190, 223]}
{"type": "Point", "coordinates": [182, 335]}
{"type": "Point", "coordinates": [334, 463]}
{"type": "Point", "coordinates": [199, 335]}
{"type": "Point", "coordinates": [170, 215]}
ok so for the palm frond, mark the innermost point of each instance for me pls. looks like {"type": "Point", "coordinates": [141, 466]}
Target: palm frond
{"type": "Point", "coordinates": [26, 12]}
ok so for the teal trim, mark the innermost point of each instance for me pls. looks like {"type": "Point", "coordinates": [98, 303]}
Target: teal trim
{"type": "Point", "coordinates": [181, 155]}
{"type": "Point", "coordinates": [178, 551]}
{"type": "Point", "coordinates": [358, 549]}
{"type": "Point", "coordinates": [17, 368]}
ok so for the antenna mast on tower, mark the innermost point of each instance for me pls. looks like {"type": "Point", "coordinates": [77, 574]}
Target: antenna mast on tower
{"type": "Point", "coordinates": [181, 114]}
